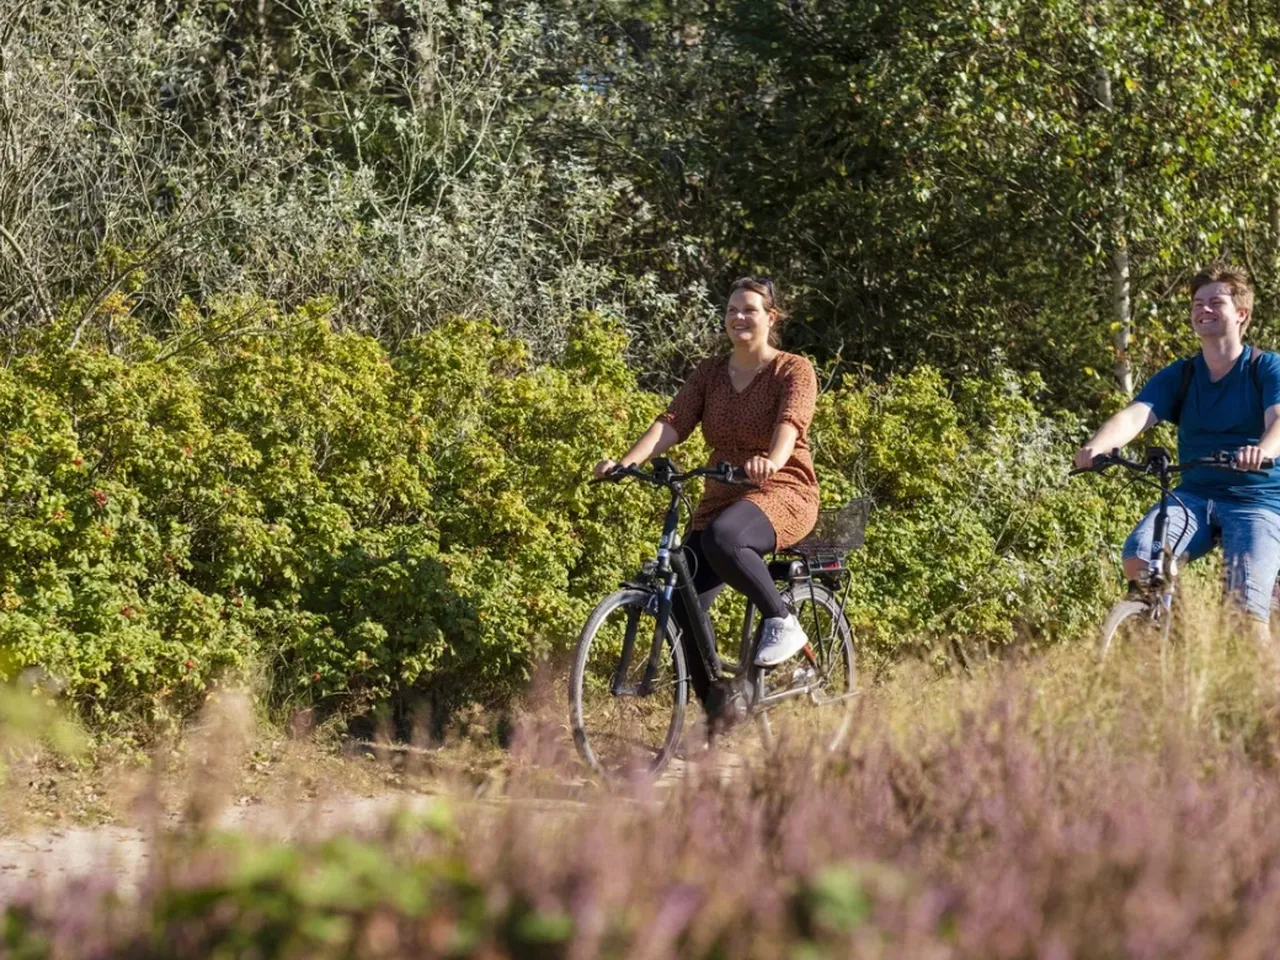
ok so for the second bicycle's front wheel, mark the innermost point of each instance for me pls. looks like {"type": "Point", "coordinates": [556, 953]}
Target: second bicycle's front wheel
{"type": "Point", "coordinates": [1130, 621]}
{"type": "Point", "coordinates": [619, 730]}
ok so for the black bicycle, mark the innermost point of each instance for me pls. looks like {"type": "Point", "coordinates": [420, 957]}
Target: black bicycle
{"type": "Point", "coordinates": [1149, 608]}
{"type": "Point", "coordinates": [629, 684]}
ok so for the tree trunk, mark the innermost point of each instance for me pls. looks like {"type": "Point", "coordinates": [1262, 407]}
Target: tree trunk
{"type": "Point", "coordinates": [1121, 317]}
{"type": "Point", "coordinates": [1275, 230]}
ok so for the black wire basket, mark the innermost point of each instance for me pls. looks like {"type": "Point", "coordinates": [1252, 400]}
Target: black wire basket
{"type": "Point", "coordinates": [837, 532]}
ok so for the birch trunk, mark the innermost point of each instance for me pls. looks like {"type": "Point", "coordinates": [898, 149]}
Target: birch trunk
{"type": "Point", "coordinates": [1121, 316]}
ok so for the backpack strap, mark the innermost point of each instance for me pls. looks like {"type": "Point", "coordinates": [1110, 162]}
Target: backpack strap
{"type": "Point", "coordinates": [1184, 386]}
{"type": "Point", "coordinates": [1254, 362]}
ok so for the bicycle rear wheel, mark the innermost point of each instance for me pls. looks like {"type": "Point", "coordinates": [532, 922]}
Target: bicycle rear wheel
{"type": "Point", "coordinates": [826, 669]}
{"type": "Point", "coordinates": [618, 731]}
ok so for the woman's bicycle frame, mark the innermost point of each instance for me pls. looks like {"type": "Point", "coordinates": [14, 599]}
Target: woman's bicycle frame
{"type": "Point", "coordinates": [1153, 603]}
{"type": "Point", "coordinates": [737, 687]}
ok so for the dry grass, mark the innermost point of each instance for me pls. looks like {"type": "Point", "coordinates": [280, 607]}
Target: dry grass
{"type": "Point", "coordinates": [1040, 806]}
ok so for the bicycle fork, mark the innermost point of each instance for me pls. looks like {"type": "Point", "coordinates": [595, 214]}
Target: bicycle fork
{"type": "Point", "coordinates": [618, 686]}
{"type": "Point", "coordinates": [673, 573]}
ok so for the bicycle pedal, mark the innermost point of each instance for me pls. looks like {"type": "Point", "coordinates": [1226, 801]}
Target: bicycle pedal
{"type": "Point", "coordinates": [803, 676]}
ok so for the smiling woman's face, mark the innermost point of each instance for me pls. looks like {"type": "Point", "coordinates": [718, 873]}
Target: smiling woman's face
{"type": "Point", "coordinates": [746, 320]}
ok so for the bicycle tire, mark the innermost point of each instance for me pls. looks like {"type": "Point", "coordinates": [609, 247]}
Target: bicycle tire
{"type": "Point", "coordinates": [597, 735]}
{"type": "Point", "coordinates": [1121, 614]}
{"type": "Point", "coordinates": [836, 713]}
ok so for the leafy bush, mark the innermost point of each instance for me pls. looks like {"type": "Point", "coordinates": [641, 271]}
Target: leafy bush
{"type": "Point", "coordinates": [362, 527]}
{"type": "Point", "coordinates": [357, 525]}
{"type": "Point", "coordinates": [976, 534]}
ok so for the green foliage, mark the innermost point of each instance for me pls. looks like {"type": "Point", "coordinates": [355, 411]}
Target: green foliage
{"type": "Point", "coordinates": [976, 535]}
{"type": "Point", "coordinates": [344, 897]}
{"type": "Point", "coordinates": [946, 182]}
{"type": "Point", "coordinates": [297, 500]}
{"type": "Point", "coordinates": [931, 182]}
{"type": "Point", "coordinates": [358, 528]}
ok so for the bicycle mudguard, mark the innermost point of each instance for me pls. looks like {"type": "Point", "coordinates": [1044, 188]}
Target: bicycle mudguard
{"type": "Point", "coordinates": [646, 578]}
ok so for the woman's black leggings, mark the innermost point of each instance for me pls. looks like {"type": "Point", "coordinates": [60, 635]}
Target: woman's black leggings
{"type": "Point", "coordinates": [729, 550]}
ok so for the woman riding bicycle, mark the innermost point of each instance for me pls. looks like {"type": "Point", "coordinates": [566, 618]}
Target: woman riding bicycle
{"type": "Point", "coordinates": [755, 405]}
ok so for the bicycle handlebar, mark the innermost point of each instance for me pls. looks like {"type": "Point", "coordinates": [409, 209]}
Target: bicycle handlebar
{"type": "Point", "coordinates": [1158, 463]}
{"type": "Point", "coordinates": [664, 474]}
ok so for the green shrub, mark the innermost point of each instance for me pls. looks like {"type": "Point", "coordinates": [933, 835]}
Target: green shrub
{"type": "Point", "coordinates": [976, 536]}
{"type": "Point", "coordinates": [360, 527]}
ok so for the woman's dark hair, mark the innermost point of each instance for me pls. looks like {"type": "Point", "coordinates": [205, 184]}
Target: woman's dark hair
{"type": "Point", "coordinates": [769, 294]}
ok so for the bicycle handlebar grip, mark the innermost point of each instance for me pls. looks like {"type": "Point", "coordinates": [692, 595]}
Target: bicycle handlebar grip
{"type": "Point", "coordinates": [615, 475]}
{"type": "Point", "coordinates": [1230, 459]}
{"type": "Point", "coordinates": [1099, 461]}
{"type": "Point", "coordinates": [726, 472]}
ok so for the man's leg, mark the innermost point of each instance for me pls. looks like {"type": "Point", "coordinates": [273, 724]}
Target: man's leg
{"type": "Point", "coordinates": [1251, 553]}
{"type": "Point", "coordinates": [1187, 533]}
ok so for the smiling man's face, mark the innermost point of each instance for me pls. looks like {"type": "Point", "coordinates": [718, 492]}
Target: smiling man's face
{"type": "Point", "coordinates": [1214, 312]}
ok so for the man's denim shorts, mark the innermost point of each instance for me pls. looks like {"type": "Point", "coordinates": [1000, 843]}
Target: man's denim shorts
{"type": "Point", "coordinates": [1250, 536]}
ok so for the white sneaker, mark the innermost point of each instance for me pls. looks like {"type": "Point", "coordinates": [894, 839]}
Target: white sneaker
{"type": "Point", "coordinates": [780, 639]}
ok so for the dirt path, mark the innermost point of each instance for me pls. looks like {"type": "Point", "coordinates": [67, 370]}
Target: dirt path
{"type": "Point", "coordinates": [50, 857]}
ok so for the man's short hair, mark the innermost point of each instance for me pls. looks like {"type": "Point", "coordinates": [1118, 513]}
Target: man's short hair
{"type": "Point", "coordinates": [1236, 279]}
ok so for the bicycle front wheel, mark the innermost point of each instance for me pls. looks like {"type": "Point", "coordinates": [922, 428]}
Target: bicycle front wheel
{"type": "Point", "coordinates": [813, 692]}
{"type": "Point", "coordinates": [620, 729]}
{"type": "Point", "coordinates": [1127, 622]}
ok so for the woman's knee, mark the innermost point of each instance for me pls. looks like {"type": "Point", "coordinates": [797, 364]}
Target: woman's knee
{"type": "Point", "coordinates": [720, 541]}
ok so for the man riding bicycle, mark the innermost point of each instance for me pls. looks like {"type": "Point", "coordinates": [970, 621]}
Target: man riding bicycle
{"type": "Point", "coordinates": [1225, 398]}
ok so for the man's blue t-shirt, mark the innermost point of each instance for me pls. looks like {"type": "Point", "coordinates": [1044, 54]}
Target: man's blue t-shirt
{"type": "Point", "coordinates": [1225, 415]}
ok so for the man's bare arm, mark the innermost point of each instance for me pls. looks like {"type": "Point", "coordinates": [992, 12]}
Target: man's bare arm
{"type": "Point", "coordinates": [1250, 458]}
{"type": "Point", "coordinates": [1116, 432]}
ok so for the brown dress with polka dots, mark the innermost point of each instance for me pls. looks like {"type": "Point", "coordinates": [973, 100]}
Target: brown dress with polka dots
{"type": "Point", "coordinates": [740, 425]}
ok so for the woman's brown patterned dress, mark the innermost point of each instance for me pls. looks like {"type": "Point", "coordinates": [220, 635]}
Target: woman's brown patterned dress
{"type": "Point", "coordinates": [740, 425]}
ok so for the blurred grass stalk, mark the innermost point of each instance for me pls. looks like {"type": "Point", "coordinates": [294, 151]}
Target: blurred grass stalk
{"type": "Point", "coordinates": [1044, 806]}
{"type": "Point", "coordinates": [33, 719]}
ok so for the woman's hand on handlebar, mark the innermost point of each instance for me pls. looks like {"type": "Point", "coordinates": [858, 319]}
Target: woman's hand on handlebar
{"type": "Point", "coordinates": [759, 469]}
{"type": "Point", "coordinates": [606, 467]}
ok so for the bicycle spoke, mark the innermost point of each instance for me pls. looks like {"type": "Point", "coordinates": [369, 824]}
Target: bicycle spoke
{"type": "Point", "coordinates": [622, 734]}
{"type": "Point", "coordinates": [829, 681]}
